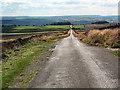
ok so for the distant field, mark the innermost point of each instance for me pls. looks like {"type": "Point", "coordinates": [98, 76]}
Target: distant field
{"type": "Point", "coordinates": [78, 26]}
{"type": "Point", "coordinates": [43, 27]}
{"type": "Point", "coordinates": [14, 32]}
{"type": "Point", "coordinates": [28, 29]}
{"type": "Point", "coordinates": [74, 19]}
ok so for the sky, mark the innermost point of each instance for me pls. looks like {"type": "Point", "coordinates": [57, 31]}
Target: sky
{"type": "Point", "coordinates": [58, 7]}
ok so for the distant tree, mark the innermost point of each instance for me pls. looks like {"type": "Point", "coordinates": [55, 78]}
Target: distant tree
{"type": "Point", "coordinates": [100, 22]}
{"type": "Point", "coordinates": [61, 23]}
{"type": "Point", "coordinates": [84, 25]}
{"type": "Point", "coordinates": [73, 28]}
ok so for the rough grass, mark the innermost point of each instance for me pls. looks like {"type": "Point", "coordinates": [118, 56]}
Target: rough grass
{"type": "Point", "coordinates": [106, 37]}
{"type": "Point", "coordinates": [6, 37]}
{"type": "Point", "coordinates": [20, 57]}
{"type": "Point", "coordinates": [28, 33]}
{"type": "Point", "coordinates": [92, 26]}
{"type": "Point", "coordinates": [98, 26]}
{"type": "Point", "coordinates": [116, 53]}
{"type": "Point", "coordinates": [80, 34]}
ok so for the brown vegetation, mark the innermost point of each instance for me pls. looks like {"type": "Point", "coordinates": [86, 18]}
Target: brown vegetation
{"type": "Point", "coordinates": [7, 38]}
{"type": "Point", "coordinates": [106, 37]}
{"type": "Point", "coordinates": [41, 37]}
{"type": "Point", "coordinates": [102, 26]}
{"type": "Point", "coordinates": [20, 41]}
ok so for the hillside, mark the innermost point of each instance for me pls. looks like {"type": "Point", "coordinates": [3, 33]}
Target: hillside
{"type": "Point", "coordinates": [40, 20]}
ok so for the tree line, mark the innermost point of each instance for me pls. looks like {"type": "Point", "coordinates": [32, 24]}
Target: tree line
{"type": "Point", "coordinates": [61, 23]}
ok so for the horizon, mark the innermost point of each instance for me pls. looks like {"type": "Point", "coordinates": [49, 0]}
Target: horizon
{"type": "Point", "coordinates": [54, 15]}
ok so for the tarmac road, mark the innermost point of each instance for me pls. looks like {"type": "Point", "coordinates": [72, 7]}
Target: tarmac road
{"type": "Point", "coordinates": [73, 64]}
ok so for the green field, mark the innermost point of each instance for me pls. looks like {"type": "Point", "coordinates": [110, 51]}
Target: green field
{"type": "Point", "coordinates": [43, 27]}
{"type": "Point", "coordinates": [28, 29]}
{"type": "Point", "coordinates": [14, 32]}
{"type": "Point", "coordinates": [78, 26]}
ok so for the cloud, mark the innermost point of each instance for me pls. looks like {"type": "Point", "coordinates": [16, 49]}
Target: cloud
{"type": "Point", "coordinates": [58, 7]}
{"type": "Point", "coordinates": [15, 1]}
{"type": "Point", "coordinates": [109, 5]}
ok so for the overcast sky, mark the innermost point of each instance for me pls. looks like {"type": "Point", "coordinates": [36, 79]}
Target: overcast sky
{"type": "Point", "coordinates": [58, 7]}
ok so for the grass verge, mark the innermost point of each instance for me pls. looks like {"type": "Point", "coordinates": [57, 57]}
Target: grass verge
{"type": "Point", "coordinates": [21, 57]}
{"type": "Point", "coordinates": [116, 53]}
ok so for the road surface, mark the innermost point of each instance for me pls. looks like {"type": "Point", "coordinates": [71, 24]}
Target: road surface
{"type": "Point", "coordinates": [76, 65]}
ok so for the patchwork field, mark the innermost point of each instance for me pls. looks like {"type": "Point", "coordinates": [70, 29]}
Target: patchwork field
{"type": "Point", "coordinates": [10, 33]}
{"type": "Point", "coordinates": [28, 29]}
